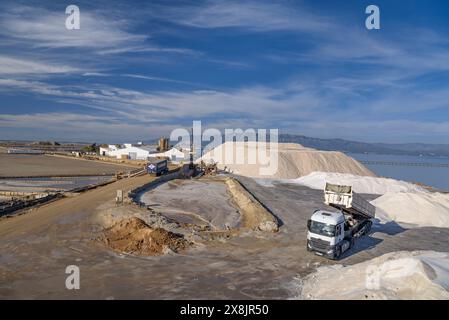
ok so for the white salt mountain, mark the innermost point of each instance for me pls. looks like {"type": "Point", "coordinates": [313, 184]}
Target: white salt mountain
{"type": "Point", "coordinates": [360, 184]}
{"type": "Point", "coordinates": [294, 161]}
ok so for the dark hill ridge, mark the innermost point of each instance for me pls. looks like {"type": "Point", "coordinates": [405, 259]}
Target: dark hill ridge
{"type": "Point", "coordinates": [349, 146]}
{"type": "Point", "coordinates": [413, 149]}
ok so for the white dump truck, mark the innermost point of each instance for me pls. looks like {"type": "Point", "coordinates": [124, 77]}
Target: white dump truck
{"type": "Point", "coordinates": [332, 233]}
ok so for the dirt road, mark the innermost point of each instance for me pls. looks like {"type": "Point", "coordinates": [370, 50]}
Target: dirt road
{"type": "Point", "coordinates": [43, 216]}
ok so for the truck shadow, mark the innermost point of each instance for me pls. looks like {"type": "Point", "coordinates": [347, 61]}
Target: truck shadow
{"type": "Point", "coordinates": [365, 243]}
{"type": "Point", "coordinates": [390, 228]}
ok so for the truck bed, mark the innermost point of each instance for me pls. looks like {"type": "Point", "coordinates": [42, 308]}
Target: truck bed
{"type": "Point", "coordinates": [345, 199]}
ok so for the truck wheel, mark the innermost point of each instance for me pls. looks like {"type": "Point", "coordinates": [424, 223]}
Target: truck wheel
{"type": "Point", "coordinates": [368, 227]}
{"type": "Point", "coordinates": [337, 254]}
{"type": "Point", "coordinates": [308, 248]}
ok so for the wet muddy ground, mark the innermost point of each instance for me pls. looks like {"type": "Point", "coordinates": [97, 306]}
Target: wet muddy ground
{"type": "Point", "coordinates": [201, 202]}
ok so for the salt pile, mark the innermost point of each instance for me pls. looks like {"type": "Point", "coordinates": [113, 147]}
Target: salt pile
{"type": "Point", "coordinates": [400, 201]}
{"type": "Point", "coordinates": [371, 185]}
{"type": "Point", "coordinates": [294, 161]}
{"type": "Point", "coordinates": [397, 275]}
{"type": "Point", "coordinates": [420, 209]}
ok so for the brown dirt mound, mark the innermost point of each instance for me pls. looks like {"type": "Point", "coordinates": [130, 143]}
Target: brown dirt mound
{"type": "Point", "coordinates": [134, 236]}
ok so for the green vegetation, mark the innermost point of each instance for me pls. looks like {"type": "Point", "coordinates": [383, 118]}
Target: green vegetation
{"type": "Point", "coordinates": [92, 148]}
{"type": "Point", "coordinates": [48, 143]}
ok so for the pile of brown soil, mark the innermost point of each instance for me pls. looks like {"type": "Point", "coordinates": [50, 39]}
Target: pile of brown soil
{"type": "Point", "coordinates": [134, 236]}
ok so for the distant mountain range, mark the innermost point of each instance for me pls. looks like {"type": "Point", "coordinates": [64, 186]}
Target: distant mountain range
{"type": "Point", "coordinates": [347, 146]}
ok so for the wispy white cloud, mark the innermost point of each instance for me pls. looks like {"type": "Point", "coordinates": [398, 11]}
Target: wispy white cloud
{"type": "Point", "coordinates": [365, 77]}
{"type": "Point", "coordinates": [100, 32]}
{"type": "Point", "coordinates": [96, 74]}
{"type": "Point", "coordinates": [144, 49]}
{"type": "Point", "coordinates": [44, 28]}
{"type": "Point", "coordinates": [114, 129]}
{"type": "Point", "coordinates": [76, 126]}
{"type": "Point", "coordinates": [375, 130]}
{"type": "Point", "coordinates": [20, 66]}
{"type": "Point", "coordinates": [151, 78]}
{"type": "Point", "coordinates": [255, 16]}
{"type": "Point", "coordinates": [401, 52]}
{"type": "Point", "coordinates": [166, 105]}
{"type": "Point", "coordinates": [331, 40]}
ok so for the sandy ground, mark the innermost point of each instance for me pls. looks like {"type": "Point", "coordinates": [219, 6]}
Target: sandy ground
{"type": "Point", "coordinates": [36, 248]}
{"type": "Point", "coordinates": [24, 165]}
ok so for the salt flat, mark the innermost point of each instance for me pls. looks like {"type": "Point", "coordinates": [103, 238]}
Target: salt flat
{"type": "Point", "coordinates": [26, 165]}
{"type": "Point", "coordinates": [195, 201]}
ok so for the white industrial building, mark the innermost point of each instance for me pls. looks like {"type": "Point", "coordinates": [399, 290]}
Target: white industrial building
{"type": "Point", "coordinates": [141, 152]}
{"type": "Point", "coordinates": [174, 154]}
{"type": "Point", "coordinates": [128, 150]}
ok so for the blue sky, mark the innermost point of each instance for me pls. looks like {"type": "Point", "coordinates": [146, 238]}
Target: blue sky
{"type": "Point", "coordinates": [137, 70]}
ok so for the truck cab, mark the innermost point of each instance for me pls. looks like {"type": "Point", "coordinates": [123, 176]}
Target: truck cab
{"type": "Point", "coordinates": [326, 234]}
